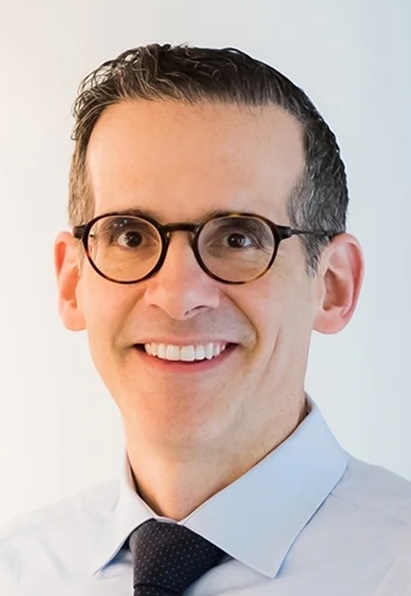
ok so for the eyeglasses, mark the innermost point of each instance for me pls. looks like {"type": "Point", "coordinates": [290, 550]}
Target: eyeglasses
{"type": "Point", "coordinates": [234, 248]}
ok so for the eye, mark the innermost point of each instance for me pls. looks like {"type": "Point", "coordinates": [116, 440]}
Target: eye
{"type": "Point", "coordinates": [129, 233]}
{"type": "Point", "coordinates": [238, 240]}
{"type": "Point", "coordinates": [129, 239]}
{"type": "Point", "coordinates": [241, 235]}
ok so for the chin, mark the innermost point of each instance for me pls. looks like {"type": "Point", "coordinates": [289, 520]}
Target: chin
{"type": "Point", "coordinates": [174, 425]}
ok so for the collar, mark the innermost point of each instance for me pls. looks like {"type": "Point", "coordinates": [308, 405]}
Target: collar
{"type": "Point", "coordinates": [269, 505]}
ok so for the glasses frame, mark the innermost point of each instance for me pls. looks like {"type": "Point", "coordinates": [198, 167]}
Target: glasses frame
{"type": "Point", "coordinates": [279, 232]}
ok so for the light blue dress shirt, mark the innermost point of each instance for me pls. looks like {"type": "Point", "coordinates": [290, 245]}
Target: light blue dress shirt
{"type": "Point", "coordinates": [308, 520]}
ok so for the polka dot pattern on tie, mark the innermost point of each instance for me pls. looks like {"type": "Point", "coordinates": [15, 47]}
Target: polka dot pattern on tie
{"type": "Point", "coordinates": [168, 558]}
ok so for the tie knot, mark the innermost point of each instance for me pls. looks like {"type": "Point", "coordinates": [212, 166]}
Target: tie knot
{"type": "Point", "coordinates": [168, 558]}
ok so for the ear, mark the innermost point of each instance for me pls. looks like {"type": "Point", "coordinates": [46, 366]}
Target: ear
{"type": "Point", "coordinates": [340, 277]}
{"type": "Point", "coordinates": [67, 264]}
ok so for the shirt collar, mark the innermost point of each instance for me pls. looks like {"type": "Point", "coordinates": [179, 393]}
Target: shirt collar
{"type": "Point", "coordinates": [257, 518]}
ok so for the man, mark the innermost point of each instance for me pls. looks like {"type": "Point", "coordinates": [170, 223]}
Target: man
{"type": "Point", "coordinates": [208, 204]}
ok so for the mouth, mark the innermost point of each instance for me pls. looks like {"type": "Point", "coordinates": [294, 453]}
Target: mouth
{"type": "Point", "coordinates": [185, 358]}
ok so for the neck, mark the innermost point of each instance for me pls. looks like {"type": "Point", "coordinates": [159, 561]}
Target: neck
{"type": "Point", "coordinates": [175, 482]}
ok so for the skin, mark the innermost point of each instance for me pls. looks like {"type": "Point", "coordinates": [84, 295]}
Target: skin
{"type": "Point", "coordinates": [189, 436]}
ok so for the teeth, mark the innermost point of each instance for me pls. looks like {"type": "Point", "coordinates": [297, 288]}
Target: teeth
{"type": "Point", "coordinates": [188, 353]}
{"type": "Point", "coordinates": [185, 353]}
{"type": "Point", "coordinates": [209, 351]}
{"type": "Point", "coordinates": [173, 353]}
{"type": "Point", "coordinates": [200, 353]}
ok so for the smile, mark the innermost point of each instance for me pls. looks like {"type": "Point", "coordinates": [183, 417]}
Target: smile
{"type": "Point", "coordinates": [189, 353]}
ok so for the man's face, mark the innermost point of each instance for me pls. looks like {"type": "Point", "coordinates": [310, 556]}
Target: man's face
{"type": "Point", "coordinates": [179, 162]}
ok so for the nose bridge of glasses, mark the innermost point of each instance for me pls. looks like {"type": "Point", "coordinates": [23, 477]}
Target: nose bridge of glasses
{"type": "Point", "coordinates": [179, 227]}
{"type": "Point", "coordinates": [170, 229]}
{"type": "Point", "coordinates": [167, 232]}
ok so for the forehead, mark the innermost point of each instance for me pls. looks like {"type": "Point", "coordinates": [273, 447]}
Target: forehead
{"type": "Point", "coordinates": [180, 160]}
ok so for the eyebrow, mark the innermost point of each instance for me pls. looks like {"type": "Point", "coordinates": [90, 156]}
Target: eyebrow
{"type": "Point", "coordinates": [136, 212]}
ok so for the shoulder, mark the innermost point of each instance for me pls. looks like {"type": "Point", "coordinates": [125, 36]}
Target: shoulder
{"type": "Point", "coordinates": [86, 503]}
{"type": "Point", "coordinates": [376, 492]}
{"type": "Point", "coordinates": [51, 535]}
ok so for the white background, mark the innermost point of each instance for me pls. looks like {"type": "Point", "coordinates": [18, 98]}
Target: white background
{"type": "Point", "coordinates": [59, 430]}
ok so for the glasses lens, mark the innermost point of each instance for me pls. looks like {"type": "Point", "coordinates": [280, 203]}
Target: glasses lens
{"type": "Point", "coordinates": [124, 248]}
{"type": "Point", "coordinates": [236, 248]}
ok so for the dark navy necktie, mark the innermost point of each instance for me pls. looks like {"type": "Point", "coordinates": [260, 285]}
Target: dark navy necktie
{"type": "Point", "coordinates": [168, 558]}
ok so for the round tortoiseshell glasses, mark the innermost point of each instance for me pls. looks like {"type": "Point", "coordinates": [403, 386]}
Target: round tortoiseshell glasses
{"type": "Point", "coordinates": [234, 248]}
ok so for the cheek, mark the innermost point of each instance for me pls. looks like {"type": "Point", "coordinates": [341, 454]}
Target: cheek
{"type": "Point", "coordinates": [280, 313]}
{"type": "Point", "coordinates": [104, 309]}
{"type": "Point", "coordinates": [268, 307]}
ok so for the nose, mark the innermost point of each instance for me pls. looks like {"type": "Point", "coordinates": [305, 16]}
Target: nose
{"type": "Point", "coordinates": [181, 288]}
